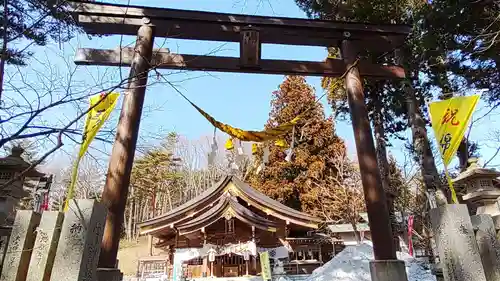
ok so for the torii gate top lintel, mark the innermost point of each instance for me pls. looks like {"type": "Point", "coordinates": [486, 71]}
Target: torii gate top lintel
{"type": "Point", "coordinates": [104, 18]}
{"type": "Point", "coordinates": [250, 31]}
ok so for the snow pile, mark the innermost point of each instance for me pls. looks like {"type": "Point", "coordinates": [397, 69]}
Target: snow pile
{"type": "Point", "coordinates": [416, 270]}
{"type": "Point", "coordinates": [282, 278]}
{"type": "Point", "coordinates": [352, 264]}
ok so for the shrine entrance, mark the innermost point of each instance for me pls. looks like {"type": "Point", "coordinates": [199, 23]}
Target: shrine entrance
{"type": "Point", "coordinates": [251, 32]}
{"type": "Point", "coordinates": [229, 265]}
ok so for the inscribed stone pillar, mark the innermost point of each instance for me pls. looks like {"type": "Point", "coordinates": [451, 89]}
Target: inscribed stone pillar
{"type": "Point", "coordinates": [4, 240]}
{"type": "Point", "coordinates": [496, 224]}
{"type": "Point", "coordinates": [45, 247]}
{"type": "Point", "coordinates": [489, 246]}
{"type": "Point", "coordinates": [457, 247]}
{"type": "Point", "coordinates": [22, 238]}
{"type": "Point", "coordinates": [80, 242]}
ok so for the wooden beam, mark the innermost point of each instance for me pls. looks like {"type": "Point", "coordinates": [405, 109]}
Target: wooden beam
{"type": "Point", "coordinates": [99, 18]}
{"type": "Point", "coordinates": [104, 24]}
{"type": "Point", "coordinates": [163, 59]}
{"type": "Point", "coordinates": [89, 8]}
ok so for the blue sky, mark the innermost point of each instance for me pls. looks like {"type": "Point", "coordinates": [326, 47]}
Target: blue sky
{"type": "Point", "coordinates": [242, 100]}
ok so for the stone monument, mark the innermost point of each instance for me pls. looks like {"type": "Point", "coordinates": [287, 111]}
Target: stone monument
{"type": "Point", "coordinates": [20, 247]}
{"type": "Point", "coordinates": [482, 198]}
{"type": "Point", "coordinates": [44, 250]}
{"type": "Point", "coordinates": [457, 247]}
{"type": "Point", "coordinates": [80, 242]}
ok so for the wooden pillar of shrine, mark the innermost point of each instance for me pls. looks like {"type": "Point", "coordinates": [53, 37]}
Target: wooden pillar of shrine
{"type": "Point", "coordinates": [253, 261]}
{"type": "Point", "coordinates": [150, 245]}
{"type": "Point", "coordinates": [204, 267]}
{"type": "Point", "coordinates": [246, 267]}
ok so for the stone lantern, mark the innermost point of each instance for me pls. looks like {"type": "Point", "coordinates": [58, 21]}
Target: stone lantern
{"type": "Point", "coordinates": [10, 196]}
{"type": "Point", "coordinates": [481, 195]}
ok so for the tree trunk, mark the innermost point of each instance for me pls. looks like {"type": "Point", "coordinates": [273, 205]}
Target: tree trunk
{"type": "Point", "coordinates": [169, 198]}
{"type": "Point", "coordinates": [153, 203]}
{"type": "Point", "coordinates": [383, 163]}
{"type": "Point", "coordinates": [145, 210]}
{"type": "Point", "coordinates": [423, 151]}
{"type": "Point", "coordinates": [357, 236]}
{"type": "Point", "coordinates": [421, 145]}
{"type": "Point", "coordinates": [463, 154]}
{"type": "Point", "coordinates": [131, 214]}
{"type": "Point", "coordinates": [3, 52]}
{"type": "Point", "coordinates": [381, 149]}
{"type": "Point", "coordinates": [422, 148]}
{"type": "Point", "coordinates": [136, 217]}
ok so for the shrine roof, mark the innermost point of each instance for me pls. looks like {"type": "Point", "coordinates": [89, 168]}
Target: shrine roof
{"type": "Point", "coordinates": [221, 201]}
{"type": "Point", "coordinates": [14, 162]}
{"type": "Point", "coordinates": [346, 227]}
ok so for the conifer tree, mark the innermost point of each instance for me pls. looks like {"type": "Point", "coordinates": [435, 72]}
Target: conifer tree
{"type": "Point", "coordinates": [295, 182]}
{"type": "Point", "coordinates": [35, 22]}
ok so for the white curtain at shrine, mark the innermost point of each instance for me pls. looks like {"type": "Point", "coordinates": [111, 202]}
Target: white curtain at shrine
{"type": "Point", "coordinates": [182, 255]}
{"type": "Point", "coordinates": [275, 253]}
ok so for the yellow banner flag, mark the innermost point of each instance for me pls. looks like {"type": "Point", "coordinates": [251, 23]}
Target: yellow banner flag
{"type": "Point", "coordinates": [281, 143]}
{"type": "Point", "coordinates": [449, 120]}
{"type": "Point", "coordinates": [254, 148]}
{"type": "Point", "coordinates": [101, 107]}
{"type": "Point", "coordinates": [265, 266]}
{"type": "Point", "coordinates": [229, 144]}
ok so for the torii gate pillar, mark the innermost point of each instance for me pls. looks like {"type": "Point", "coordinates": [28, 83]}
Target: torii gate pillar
{"type": "Point", "coordinates": [122, 157]}
{"type": "Point", "coordinates": [386, 266]}
{"type": "Point", "coordinates": [376, 206]}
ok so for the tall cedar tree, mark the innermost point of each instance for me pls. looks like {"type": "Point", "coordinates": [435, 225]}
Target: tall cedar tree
{"type": "Point", "coordinates": [295, 183]}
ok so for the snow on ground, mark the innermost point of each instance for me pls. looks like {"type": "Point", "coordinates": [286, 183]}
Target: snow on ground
{"type": "Point", "coordinates": [352, 264]}
{"type": "Point", "coordinates": [282, 278]}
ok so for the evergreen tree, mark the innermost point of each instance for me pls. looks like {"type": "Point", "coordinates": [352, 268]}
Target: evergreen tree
{"type": "Point", "coordinates": [33, 22]}
{"type": "Point", "coordinates": [463, 46]}
{"type": "Point", "coordinates": [155, 174]}
{"type": "Point", "coordinates": [401, 101]}
{"type": "Point", "coordinates": [295, 183]}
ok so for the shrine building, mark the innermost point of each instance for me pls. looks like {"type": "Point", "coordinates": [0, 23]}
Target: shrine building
{"type": "Point", "coordinates": [221, 232]}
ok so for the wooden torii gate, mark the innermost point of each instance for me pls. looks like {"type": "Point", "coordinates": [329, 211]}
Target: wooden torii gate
{"type": "Point", "coordinates": [250, 32]}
